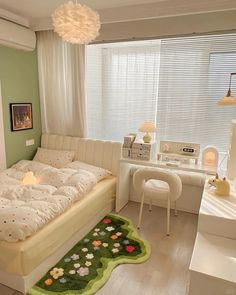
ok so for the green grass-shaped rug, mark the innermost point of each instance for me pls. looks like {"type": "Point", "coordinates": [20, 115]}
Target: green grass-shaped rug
{"type": "Point", "coordinates": [88, 265]}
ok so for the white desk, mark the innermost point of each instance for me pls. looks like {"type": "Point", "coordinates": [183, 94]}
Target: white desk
{"type": "Point", "coordinates": [122, 196]}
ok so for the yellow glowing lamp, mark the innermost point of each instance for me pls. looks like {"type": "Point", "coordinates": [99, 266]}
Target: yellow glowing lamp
{"type": "Point", "coordinates": [147, 127]}
{"type": "Point", "coordinates": [29, 179]}
{"type": "Point", "coordinates": [210, 156]}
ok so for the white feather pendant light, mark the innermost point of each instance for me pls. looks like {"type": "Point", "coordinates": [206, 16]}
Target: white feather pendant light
{"type": "Point", "coordinates": [76, 23]}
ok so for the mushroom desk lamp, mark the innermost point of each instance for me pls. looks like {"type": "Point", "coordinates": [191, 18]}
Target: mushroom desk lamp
{"type": "Point", "coordinates": [147, 127]}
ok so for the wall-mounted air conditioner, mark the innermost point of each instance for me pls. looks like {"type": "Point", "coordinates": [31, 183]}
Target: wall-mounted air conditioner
{"type": "Point", "coordinates": [16, 36]}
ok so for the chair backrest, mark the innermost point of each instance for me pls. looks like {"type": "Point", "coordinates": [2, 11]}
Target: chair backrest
{"type": "Point", "coordinates": [142, 175]}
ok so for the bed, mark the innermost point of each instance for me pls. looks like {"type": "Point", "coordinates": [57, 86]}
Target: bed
{"type": "Point", "coordinates": [23, 263]}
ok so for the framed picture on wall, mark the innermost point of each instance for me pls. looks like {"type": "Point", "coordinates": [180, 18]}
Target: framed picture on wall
{"type": "Point", "coordinates": [21, 116]}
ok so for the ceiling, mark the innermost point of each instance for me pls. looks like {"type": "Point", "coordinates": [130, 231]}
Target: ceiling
{"type": "Point", "coordinates": [44, 8]}
{"type": "Point", "coordinates": [38, 13]}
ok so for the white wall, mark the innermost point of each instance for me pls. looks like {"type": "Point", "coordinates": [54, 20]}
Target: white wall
{"type": "Point", "coordinates": [2, 139]}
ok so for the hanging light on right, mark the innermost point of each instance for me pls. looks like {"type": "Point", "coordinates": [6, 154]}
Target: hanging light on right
{"type": "Point", "coordinates": [228, 99]}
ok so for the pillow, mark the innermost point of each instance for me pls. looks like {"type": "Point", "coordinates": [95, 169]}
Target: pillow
{"type": "Point", "coordinates": [98, 172]}
{"type": "Point", "coordinates": [55, 158]}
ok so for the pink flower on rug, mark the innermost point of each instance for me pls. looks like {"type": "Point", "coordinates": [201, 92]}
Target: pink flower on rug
{"type": "Point", "coordinates": [115, 250]}
{"type": "Point", "coordinates": [83, 271]}
{"type": "Point", "coordinates": [129, 248]}
{"type": "Point", "coordinates": [106, 220]}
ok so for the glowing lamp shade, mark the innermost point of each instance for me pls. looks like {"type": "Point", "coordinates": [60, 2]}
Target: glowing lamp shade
{"type": "Point", "coordinates": [210, 156]}
{"type": "Point", "coordinates": [228, 100]}
{"type": "Point", "coordinates": [76, 23]}
{"type": "Point", "coordinates": [29, 179]}
{"type": "Point", "coordinates": [147, 127]}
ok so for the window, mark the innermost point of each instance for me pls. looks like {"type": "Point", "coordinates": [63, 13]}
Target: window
{"type": "Point", "coordinates": [175, 82]}
{"type": "Point", "coordinates": [122, 87]}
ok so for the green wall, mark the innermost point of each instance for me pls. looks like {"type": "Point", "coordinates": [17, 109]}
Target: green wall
{"type": "Point", "coordinates": [19, 83]}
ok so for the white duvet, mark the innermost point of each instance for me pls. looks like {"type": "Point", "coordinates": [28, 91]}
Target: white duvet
{"type": "Point", "coordinates": [25, 209]}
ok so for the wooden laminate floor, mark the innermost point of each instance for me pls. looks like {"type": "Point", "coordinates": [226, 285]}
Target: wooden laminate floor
{"type": "Point", "coordinates": [166, 272]}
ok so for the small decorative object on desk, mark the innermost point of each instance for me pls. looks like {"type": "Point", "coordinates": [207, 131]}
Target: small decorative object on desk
{"type": "Point", "coordinates": [222, 186]}
{"type": "Point", "coordinates": [143, 151]}
{"type": "Point", "coordinates": [210, 156]}
{"type": "Point", "coordinates": [127, 145]}
{"type": "Point", "coordinates": [183, 152]}
{"type": "Point", "coordinates": [147, 127]}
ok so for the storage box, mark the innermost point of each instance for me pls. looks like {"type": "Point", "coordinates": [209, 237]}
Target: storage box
{"type": "Point", "coordinates": [143, 151]}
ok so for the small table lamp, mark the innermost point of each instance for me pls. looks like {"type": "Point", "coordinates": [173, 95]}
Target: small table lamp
{"type": "Point", "coordinates": [147, 127]}
{"type": "Point", "coordinates": [29, 179]}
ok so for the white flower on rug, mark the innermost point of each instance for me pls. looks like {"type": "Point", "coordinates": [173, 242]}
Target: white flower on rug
{"type": "Point", "coordinates": [118, 233]}
{"type": "Point", "coordinates": [88, 263]}
{"type": "Point", "coordinates": [90, 256]}
{"type": "Point", "coordinates": [115, 250]}
{"type": "Point", "coordinates": [97, 229]}
{"type": "Point", "coordinates": [62, 280]}
{"type": "Point", "coordinates": [83, 271]}
{"type": "Point", "coordinates": [72, 272]}
{"type": "Point", "coordinates": [95, 234]}
{"type": "Point", "coordinates": [105, 245]}
{"type": "Point", "coordinates": [110, 228]}
{"type": "Point", "coordinates": [84, 250]}
{"type": "Point", "coordinates": [117, 245]}
{"type": "Point", "coordinates": [75, 257]}
{"type": "Point", "coordinates": [76, 265]}
{"type": "Point", "coordinates": [57, 273]}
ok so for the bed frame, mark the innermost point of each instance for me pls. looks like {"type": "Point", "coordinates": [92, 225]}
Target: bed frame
{"type": "Point", "coordinates": [105, 154]}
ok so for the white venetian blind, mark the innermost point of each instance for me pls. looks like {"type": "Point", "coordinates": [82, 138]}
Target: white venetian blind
{"type": "Point", "coordinates": [175, 82]}
{"type": "Point", "coordinates": [194, 74]}
{"type": "Point", "coordinates": [122, 86]}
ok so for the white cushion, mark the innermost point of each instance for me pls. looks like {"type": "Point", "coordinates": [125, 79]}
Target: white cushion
{"type": "Point", "coordinates": [55, 158]}
{"type": "Point", "coordinates": [153, 187]}
{"type": "Point", "coordinates": [99, 172]}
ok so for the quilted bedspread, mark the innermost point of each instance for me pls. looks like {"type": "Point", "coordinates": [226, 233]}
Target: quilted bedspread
{"type": "Point", "coordinates": [24, 209]}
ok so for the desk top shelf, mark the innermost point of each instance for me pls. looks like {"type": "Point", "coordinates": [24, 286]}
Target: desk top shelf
{"type": "Point", "coordinates": [163, 164]}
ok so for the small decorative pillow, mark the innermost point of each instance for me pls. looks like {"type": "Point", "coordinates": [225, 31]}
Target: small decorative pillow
{"type": "Point", "coordinates": [54, 158]}
{"type": "Point", "coordinates": [99, 172]}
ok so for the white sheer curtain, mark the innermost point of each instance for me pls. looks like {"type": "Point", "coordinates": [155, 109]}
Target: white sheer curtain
{"type": "Point", "coordinates": [61, 82]}
{"type": "Point", "coordinates": [122, 86]}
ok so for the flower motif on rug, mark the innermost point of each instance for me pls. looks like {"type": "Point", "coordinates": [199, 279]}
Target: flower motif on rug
{"type": "Point", "coordinates": [83, 271]}
{"type": "Point", "coordinates": [57, 272]}
{"type": "Point", "coordinates": [87, 266]}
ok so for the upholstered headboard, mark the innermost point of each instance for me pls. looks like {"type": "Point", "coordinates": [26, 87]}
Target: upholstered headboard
{"type": "Point", "coordinates": [101, 153]}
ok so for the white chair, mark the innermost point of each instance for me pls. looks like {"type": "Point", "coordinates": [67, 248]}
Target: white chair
{"type": "Point", "coordinates": [156, 183]}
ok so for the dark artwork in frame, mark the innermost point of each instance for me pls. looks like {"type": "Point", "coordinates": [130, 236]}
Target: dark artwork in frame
{"type": "Point", "coordinates": [21, 116]}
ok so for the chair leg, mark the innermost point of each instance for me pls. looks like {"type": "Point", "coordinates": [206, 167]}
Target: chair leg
{"type": "Point", "coordinates": [140, 211]}
{"type": "Point", "coordinates": [176, 211]}
{"type": "Point", "coordinates": [150, 205]}
{"type": "Point", "coordinates": [168, 217]}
